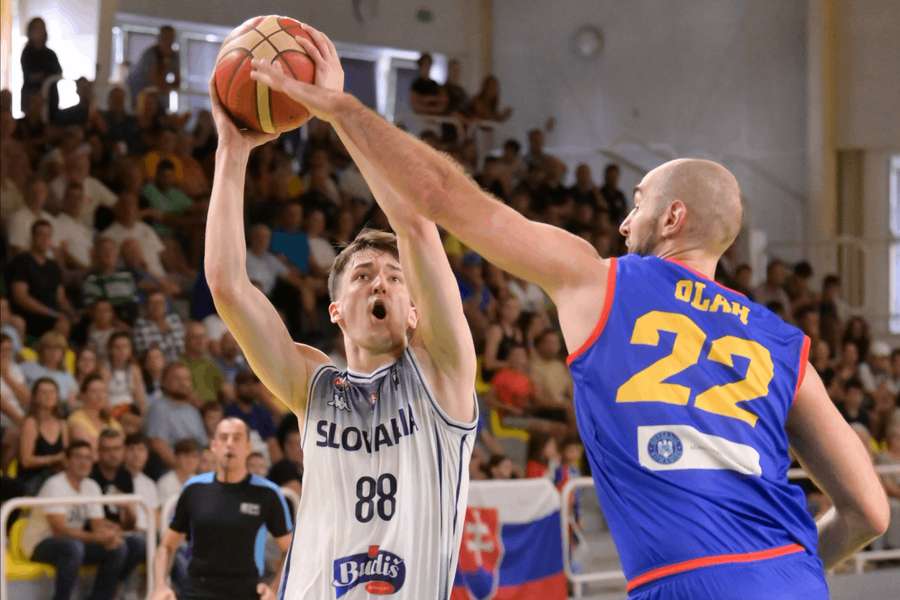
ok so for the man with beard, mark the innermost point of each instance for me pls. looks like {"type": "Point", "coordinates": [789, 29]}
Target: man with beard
{"type": "Point", "coordinates": [687, 394]}
{"type": "Point", "coordinates": [228, 514]}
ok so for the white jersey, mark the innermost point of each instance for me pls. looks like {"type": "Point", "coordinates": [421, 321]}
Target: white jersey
{"type": "Point", "coordinates": [385, 482]}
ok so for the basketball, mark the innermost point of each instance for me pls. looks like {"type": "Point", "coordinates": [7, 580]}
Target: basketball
{"type": "Point", "coordinates": [253, 105]}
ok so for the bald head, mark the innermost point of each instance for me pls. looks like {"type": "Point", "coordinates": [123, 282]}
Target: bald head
{"type": "Point", "coordinates": [710, 197]}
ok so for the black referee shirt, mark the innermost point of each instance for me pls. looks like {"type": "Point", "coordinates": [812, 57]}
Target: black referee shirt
{"type": "Point", "coordinates": [227, 524]}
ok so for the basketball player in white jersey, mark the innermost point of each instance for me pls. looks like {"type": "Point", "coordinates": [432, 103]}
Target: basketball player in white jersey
{"type": "Point", "coordinates": [387, 442]}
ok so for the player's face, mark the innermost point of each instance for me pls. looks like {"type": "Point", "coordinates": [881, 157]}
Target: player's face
{"type": "Point", "coordinates": [640, 226]}
{"type": "Point", "coordinates": [374, 309]}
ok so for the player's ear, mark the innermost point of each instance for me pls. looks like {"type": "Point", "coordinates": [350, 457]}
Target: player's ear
{"type": "Point", "coordinates": [675, 218]}
{"type": "Point", "coordinates": [334, 311]}
{"type": "Point", "coordinates": [412, 319]}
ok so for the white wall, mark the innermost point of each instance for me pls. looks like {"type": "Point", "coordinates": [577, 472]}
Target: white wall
{"type": "Point", "coordinates": [724, 80]}
{"type": "Point", "coordinates": [455, 29]}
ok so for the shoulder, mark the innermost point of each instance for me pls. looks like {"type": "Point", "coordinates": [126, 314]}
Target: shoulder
{"type": "Point", "coordinates": [199, 480]}
{"type": "Point", "coordinates": [89, 487]}
{"type": "Point", "coordinates": [55, 486]}
{"type": "Point", "coordinates": [262, 482]}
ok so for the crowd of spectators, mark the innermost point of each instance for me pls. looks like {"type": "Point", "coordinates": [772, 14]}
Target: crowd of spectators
{"type": "Point", "coordinates": [116, 368]}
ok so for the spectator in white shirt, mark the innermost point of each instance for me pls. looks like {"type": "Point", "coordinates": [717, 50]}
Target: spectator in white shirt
{"type": "Point", "coordinates": [77, 169]}
{"type": "Point", "coordinates": [73, 238]}
{"type": "Point", "coordinates": [876, 369]}
{"type": "Point", "coordinates": [321, 252]}
{"type": "Point", "coordinates": [187, 463]}
{"type": "Point", "coordinates": [128, 226]}
{"type": "Point", "coordinates": [136, 453]}
{"type": "Point", "coordinates": [56, 535]}
{"type": "Point", "coordinates": [19, 225]}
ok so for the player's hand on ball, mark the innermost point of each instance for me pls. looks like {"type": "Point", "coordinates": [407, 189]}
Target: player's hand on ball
{"type": "Point", "coordinates": [322, 98]}
{"type": "Point", "coordinates": [265, 592]}
{"type": "Point", "coordinates": [229, 134]}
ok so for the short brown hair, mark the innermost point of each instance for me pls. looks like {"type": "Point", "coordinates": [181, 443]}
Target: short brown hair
{"type": "Point", "coordinates": [368, 239]}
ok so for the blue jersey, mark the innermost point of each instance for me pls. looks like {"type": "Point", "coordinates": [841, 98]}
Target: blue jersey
{"type": "Point", "coordinates": [681, 395]}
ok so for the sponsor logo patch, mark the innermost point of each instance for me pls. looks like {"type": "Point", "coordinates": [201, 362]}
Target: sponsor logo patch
{"type": "Point", "coordinates": [382, 572]}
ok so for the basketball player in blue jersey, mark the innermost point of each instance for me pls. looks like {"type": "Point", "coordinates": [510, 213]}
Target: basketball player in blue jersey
{"type": "Point", "coordinates": [387, 441]}
{"type": "Point", "coordinates": [689, 397]}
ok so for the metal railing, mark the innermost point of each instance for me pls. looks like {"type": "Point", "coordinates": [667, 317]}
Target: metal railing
{"type": "Point", "coordinates": [579, 580]}
{"type": "Point", "coordinates": [29, 502]}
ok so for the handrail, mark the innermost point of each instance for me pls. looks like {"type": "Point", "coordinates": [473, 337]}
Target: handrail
{"type": "Point", "coordinates": [578, 580]}
{"type": "Point", "coordinates": [22, 502]}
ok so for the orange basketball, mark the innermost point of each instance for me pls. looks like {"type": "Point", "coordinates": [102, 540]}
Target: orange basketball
{"type": "Point", "coordinates": [253, 105]}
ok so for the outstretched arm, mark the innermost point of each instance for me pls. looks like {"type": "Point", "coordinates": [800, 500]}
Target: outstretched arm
{"type": "Point", "coordinates": [433, 185]}
{"type": "Point", "coordinates": [283, 366]}
{"type": "Point", "coordinates": [839, 465]}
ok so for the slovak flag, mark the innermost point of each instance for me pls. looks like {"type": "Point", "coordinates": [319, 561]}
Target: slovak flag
{"type": "Point", "coordinates": [511, 543]}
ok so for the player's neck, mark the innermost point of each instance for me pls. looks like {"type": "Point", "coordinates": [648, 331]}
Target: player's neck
{"type": "Point", "coordinates": [364, 361]}
{"type": "Point", "coordinates": [698, 261]}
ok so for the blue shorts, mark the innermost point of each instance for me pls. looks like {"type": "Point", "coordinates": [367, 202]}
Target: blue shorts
{"type": "Point", "coordinates": [798, 576]}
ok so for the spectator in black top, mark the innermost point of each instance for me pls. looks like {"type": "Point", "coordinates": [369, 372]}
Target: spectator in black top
{"type": "Point", "coordinates": [121, 126]}
{"type": "Point", "coordinates": [38, 63]}
{"type": "Point", "coordinates": [113, 478]}
{"type": "Point", "coordinates": [486, 103]}
{"type": "Point", "coordinates": [585, 191]}
{"type": "Point", "coordinates": [457, 96]}
{"type": "Point", "coordinates": [37, 291]}
{"type": "Point", "coordinates": [615, 199]}
{"type": "Point", "coordinates": [84, 111]}
{"type": "Point", "coordinates": [426, 95]}
{"type": "Point", "coordinates": [224, 512]}
{"type": "Point", "coordinates": [852, 408]}
{"type": "Point", "coordinates": [288, 472]}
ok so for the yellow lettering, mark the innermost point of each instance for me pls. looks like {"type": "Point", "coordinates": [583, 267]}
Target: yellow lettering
{"type": "Point", "coordinates": [700, 303]}
{"type": "Point", "coordinates": [683, 290]}
{"type": "Point", "coordinates": [742, 311]}
{"type": "Point", "coordinates": [720, 304]}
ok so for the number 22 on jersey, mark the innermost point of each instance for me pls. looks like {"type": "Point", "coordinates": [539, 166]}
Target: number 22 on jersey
{"type": "Point", "coordinates": [648, 385]}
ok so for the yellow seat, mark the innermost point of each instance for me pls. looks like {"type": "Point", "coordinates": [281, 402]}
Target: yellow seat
{"type": "Point", "coordinates": [12, 469]}
{"type": "Point", "coordinates": [20, 568]}
{"type": "Point", "coordinates": [501, 431]}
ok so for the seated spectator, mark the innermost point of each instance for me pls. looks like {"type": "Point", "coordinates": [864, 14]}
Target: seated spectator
{"type": "Point", "coordinates": [107, 281]}
{"type": "Point", "coordinates": [570, 467]}
{"type": "Point", "coordinates": [820, 357]}
{"type": "Point", "coordinates": [798, 288]}
{"type": "Point", "coordinates": [772, 289]}
{"type": "Point", "coordinates": [126, 383]}
{"type": "Point", "coordinates": [264, 268]}
{"type": "Point", "coordinates": [134, 262]}
{"type": "Point", "coordinates": [229, 359]}
{"type": "Point", "coordinates": [87, 363]}
{"type": "Point", "coordinates": [531, 297]}
{"type": "Point", "coordinates": [13, 326]}
{"type": "Point", "coordinates": [51, 350]}
{"type": "Point", "coordinates": [187, 463]}
{"type": "Point", "coordinates": [158, 66]}
{"type": "Point", "coordinates": [891, 482]}
{"type": "Point", "coordinates": [288, 472]}
{"type": "Point", "coordinates": [101, 325]}
{"type": "Point", "coordinates": [14, 400]}
{"type": "Point", "coordinates": [159, 328]}
{"type": "Point", "coordinates": [164, 145]}
{"type": "Point", "coordinates": [22, 221]}
{"type": "Point", "coordinates": [478, 464]}
{"type": "Point", "coordinates": [543, 457]}
{"type": "Point", "coordinates": [807, 319]}
{"type": "Point", "coordinates": [128, 226]}
{"type": "Point", "coordinates": [478, 302]}
{"type": "Point", "coordinates": [321, 252]}
{"type": "Point", "coordinates": [205, 374]}
{"type": "Point", "coordinates": [194, 182]}
{"type": "Point", "coordinates": [174, 416]}
{"type": "Point", "coordinates": [110, 474]}
{"type": "Point", "coordinates": [121, 126]}
{"type": "Point", "coordinates": [833, 310]}
{"type": "Point", "coordinates": [616, 203]}
{"type": "Point", "coordinates": [256, 464]}
{"type": "Point", "coordinates": [289, 240]}
{"type": "Point", "coordinates": [153, 363]}
{"type": "Point", "coordinates": [43, 436]}
{"type": "Point", "coordinates": [743, 280]}
{"type": "Point", "coordinates": [67, 539]}
{"type": "Point", "coordinates": [93, 417]}
{"type": "Point", "coordinates": [426, 95]}
{"type": "Point", "coordinates": [15, 172]}
{"type": "Point", "coordinates": [258, 418]}
{"type": "Point", "coordinates": [85, 113]}
{"type": "Point", "coordinates": [137, 452]}
{"type": "Point", "coordinates": [537, 157]}
{"type": "Point", "coordinates": [73, 238]}
{"type": "Point", "coordinates": [501, 337]}
{"type": "Point", "coordinates": [96, 194]}
{"type": "Point", "coordinates": [852, 408]}
{"type": "Point", "coordinates": [501, 467]}
{"type": "Point", "coordinates": [846, 366]}
{"type": "Point", "coordinates": [550, 374]}
{"type": "Point", "coordinates": [883, 414]}
{"type": "Point", "coordinates": [511, 160]}
{"type": "Point", "coordinates": [485, 104]}
{"type": "Point", "coordinates": [876, 370]}
{"type": "Point", "coordinates": [212, 414]}
{"type": "Point", "coordinates": [513, 394]}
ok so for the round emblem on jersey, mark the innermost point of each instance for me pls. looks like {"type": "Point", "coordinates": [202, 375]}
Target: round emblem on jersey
{"type": "Point", "coordinates": [665, 448]}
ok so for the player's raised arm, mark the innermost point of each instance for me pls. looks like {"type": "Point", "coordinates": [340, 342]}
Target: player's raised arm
{"type": "Point", "coordinates": [433, 185]}
{"type": "Point", "coordinates": [838, 463]}
{"type": "Point", "coordinates": [283, 366]}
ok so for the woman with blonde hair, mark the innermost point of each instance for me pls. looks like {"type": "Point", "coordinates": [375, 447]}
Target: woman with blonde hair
{"type": "Point", "coordinates": [43, 437]}
{"type": "Point", "coordinates": [87, 422]}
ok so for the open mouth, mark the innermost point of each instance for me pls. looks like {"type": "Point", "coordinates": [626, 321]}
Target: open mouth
{"type": "Point", "coordinates": [379, 310]}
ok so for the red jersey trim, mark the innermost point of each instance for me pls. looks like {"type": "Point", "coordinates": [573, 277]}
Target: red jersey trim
{"type": "Point", "coordinates": [702, 276]}
{"type": "Point", "coordinates": [804, 360]}
{"type": "Point", "coordinates": [709, 561]}
{"type": "Point", "coordinates": [604, 314]}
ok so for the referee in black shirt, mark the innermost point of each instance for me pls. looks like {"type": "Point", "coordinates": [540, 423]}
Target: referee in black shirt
{"type": "Point", "coordinates": [228, 514]}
